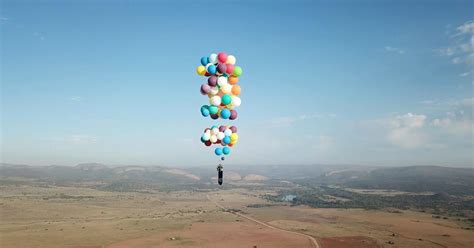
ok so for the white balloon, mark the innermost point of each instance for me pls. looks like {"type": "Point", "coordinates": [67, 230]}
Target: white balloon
{"type": "Point", "coordinates": [208, 131]}
{"type": "Point", "coordinates": [215, 131]}
{"type": "Point", "coordinates": [215, 100]}
{"type": "Point", "coordinates": [213, 58]}
{"type": "Point", "coordinates": [236, 101]}
{"type": "Point", "coordinates": [226, 88]}
{"type": "Point", "coordinates": [214, 91]}
{"type": "Point", "coordinates": [206, 136]}
{"type": "Point", "coordinates": [221, 81]}
{"type": "Point", "coordinates": [220, 135]}
{"type": "Point", "coordinates": [231, 60]}
{"type": "Point", "coordinates": [227, 132]}
{"type": "Point", "coordinates": [213, 139]}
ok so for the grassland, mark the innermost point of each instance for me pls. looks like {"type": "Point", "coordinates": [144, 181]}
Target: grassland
{"type": "Point", "coordinates": [51, 216]}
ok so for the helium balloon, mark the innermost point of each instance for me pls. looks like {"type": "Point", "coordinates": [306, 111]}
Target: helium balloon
{"type": "Point", "coordinates": [208, 143]}
{"type": "Point", "coordinates": [215, 100]}
{"type": "Point", "coordinates": [201, 70]}
{"type": "Point", "coordinates": [233, 115]}
{"type": "Point", "coordinates": [234, 137]}
{"type": "Point", "coordinates": [229, 69]}
{"type": "Point", "coordinates": [205, 111]}
{"type": "Point", "coordinates": [213, 138]}
{"type": "Point", "coordinates": [226, 89]}
{"type": "Point", "coordinates": [225, 114]}
{"type": "Point", "coordinates": [226, 150]}
{"type": "Point", "coordinates": [213, 58]}
{"type": "Point", "coordinates": [204, 61]}
{"type": "Point", "coordinates": [221, 68]}
{"type": "Point", "coordinates": [222, 57]}
{"type": "Point", "coordinates": [222, 128]}
{"type": "Point", "coordinates": [205, 89]}
{"type": "Point", "coordinates": [215, 130]}
{"type": "Point", "coordinates": [227, 132]}
{"type": "Point", "coordinates": [226, 140]}
{"type": "Point", "coordinates": [212, 81]}
{"type": "Point", "coordinates": [218, 151]}
{"type": "Point", "coordinates": [236, 90]}
{"type": "Point", "coordinates": [237, 71]}
{"type": "Point", "coordinates": [234, 129]}
{"type": "Point", "coordinates": [213, 109]}
{"type": "Point", "coordinates": [212, 69]}
{"type": "Point", "coordinates": [231, 59]}
{"type": "Point", "coordinates": [236, 101]}
{"type": "Point", "coordinates": [221, 81]}
{"type": "Point", "coordinates": [226, 99]}
{"type": "Point", "coordinates": [233, 80]}
{"type": "Point", "coordinates": [220, 135]}
{"type": "Point", "coordinates": [214, 116]}
{"type": "Point", "coordinates": [214, 91]}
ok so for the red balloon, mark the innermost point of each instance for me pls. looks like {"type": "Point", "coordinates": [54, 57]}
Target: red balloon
{"type": "Point", "coordinates": [229, 69]}
{"type": "Point", "coordinates": [222, 57]}
{"type": "Point", "coordinates": [208, 143]}
{"type": "Point", "coordinates": [207, 74]}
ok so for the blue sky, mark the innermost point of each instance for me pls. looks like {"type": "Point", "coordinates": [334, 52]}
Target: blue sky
{"type": "Point", "coordinates": [344, 82]}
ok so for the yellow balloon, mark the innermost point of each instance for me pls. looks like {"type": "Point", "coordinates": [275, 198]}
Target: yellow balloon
{"type": "Point", "coordinates": [234, 137]}
{"type": "Point", "coordinates": [201, 70]}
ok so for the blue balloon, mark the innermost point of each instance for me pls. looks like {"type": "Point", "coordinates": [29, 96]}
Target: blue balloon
{"type": "Point", "coordinates": [225, 114]}
{"type": "Point", "coordinates": [226, 140]}
{"type": "Point", "coordinates": [212, 69]}
{"type": "Point", "coordinates": [218, 151]}
{"type": "Point", "coordinates": [205, 110]}
{"type": "Point", "coordinates": [226, 150]}
{"type": "Point", "coordinates": [204, 61]}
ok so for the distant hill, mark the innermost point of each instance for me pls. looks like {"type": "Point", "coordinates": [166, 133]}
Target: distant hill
{"type": "Point", "coordinates": [455, 181]}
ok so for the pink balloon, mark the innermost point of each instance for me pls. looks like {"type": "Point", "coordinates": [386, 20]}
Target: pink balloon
{"type": "Point", "coordinates": [230, 69]}
{"type": "Point", "coordinates": [222, 57]}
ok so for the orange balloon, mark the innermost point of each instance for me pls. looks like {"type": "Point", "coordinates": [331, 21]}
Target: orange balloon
{"type": "Point", "coordinates": [233, 80]}
{"type": "Point", "coordinates": [236, 90]}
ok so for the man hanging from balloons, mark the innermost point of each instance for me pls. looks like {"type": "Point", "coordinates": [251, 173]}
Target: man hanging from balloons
{"type": "Point", "coordinates": [223, 92]}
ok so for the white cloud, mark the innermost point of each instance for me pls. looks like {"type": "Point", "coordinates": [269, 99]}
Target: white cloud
{"type": "Point", "coordinates": [461, 49]}
{"type": "Point", "coordinates": [464, 74]}
{"type": "Point", "coordinates": [404, 131]}
{"type": "Point", "coordinates": [394, 50]}
{"type": "Point", "coordinates": [467, 27]}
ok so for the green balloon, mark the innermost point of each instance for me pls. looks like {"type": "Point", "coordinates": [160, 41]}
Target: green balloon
{"type": "Point", "coordinates": [237, 71]}
{"type": "Point", "coordinates": [226, 99]}
{"type": "Point", "coordinates": [213, 109]}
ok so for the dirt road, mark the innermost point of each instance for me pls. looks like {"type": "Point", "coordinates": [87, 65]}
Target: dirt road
{"type": "Point", "coordinates": [312, 239]}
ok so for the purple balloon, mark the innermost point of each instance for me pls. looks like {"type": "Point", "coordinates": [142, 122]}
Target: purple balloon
{"type": "Point", "coordinates": [205, 89]}
{"type": "Point", "coordinates": [233, 116]}
{"type": "Point", "coordinates": [234, 129]}
{"type": "Point", "coordinates": [221, 128]}
{"type": "Point", "coordinates": [215, 117]}
{"type": "Point", "coordinates": [212, 81]}
{"type": "Point", "coordinates": [221, 68]}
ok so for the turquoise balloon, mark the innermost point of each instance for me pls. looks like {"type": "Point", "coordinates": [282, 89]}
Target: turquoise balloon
{"type": "Point", "coordinates": [226, 140]}
{"type": "Point", "coordinates": [218, 151]}
{"type": "Point", "coordinates": [205, 110]}
{"type": "Point", "coordinates": [213, 109]}
{"type": "Point", "coordinates": [226, 99]}
{"type": "Point", "coordinates": [204, 61]}
{"type": "Point", "coordinates": [212, 69]}
{"type": "Point", "coordinates": [225, 114]}
{"type": "Point", "coordinates": [226, 150]}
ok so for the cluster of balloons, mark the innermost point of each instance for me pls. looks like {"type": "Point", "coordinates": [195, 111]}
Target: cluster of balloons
{"type": "Point", "coordinates": [225, 135]}
{"type": "Point", "coordinates": [221, 87]}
